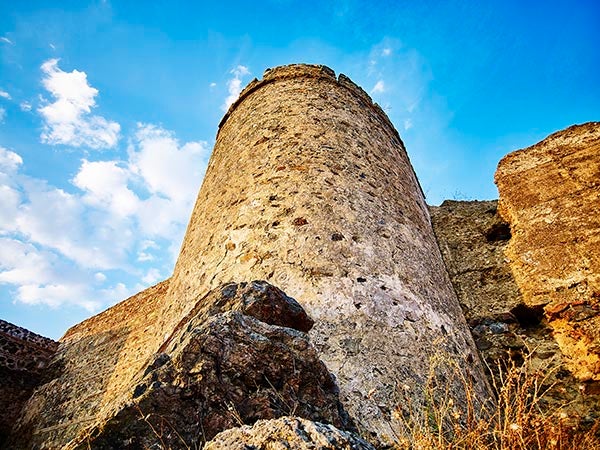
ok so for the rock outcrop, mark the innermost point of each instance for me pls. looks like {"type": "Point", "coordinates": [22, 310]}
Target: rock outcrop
{"type": "Point", "coordinates": [245, 358]}
{"type": "Point", "coordinates": [290, 433]}
{"type": "Point", "coordinates": [241, 355]}
{"type": "Point", "coordinates": [550, 195]}
{"type": "Point", "coordinates": [473, 239]}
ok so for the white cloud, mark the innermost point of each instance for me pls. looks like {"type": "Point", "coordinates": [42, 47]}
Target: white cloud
{"type": "Point", "coordinates": [408, 124]}
{"type": "Point", "coordinates": [213, 85]}
{"type": "Point", "coordinates": [143, 253]}
{"type": "Point", "coordinates": [105, 185]}
{"type": "Point", "coordinates": [52, 46]}
{"type": "Point", "coordinates": [10, 198]}
{"type": "Point", "coordinates": [386, 51]}
{"type": "Point", "coordinates": [9, 161]}
{"type": "Point", "coordinates": [25, 106]}
{"type": "Point", "coordinates": [42, 277]}
{"type": "Point", "coordinates": [5, 39]}
{"type": "Point", "coordinates": [58, 220]}
{"type": "Point", "coordinates": [234, 85]}
{"type": "Point", "coordinates": [100, 277]}
{"type": "Point", "coordinates": [68, 120]}
{"type": "Point", "coordinates": [152, 276]}
{"type": "Point", "coordinates": [5, 95]}
{"type": "Point", "coordinates": [167, 167]}
{"type": "Point", "coordinates": [378, 88]}
{"type": "Point", "coordinates": [63, 247]}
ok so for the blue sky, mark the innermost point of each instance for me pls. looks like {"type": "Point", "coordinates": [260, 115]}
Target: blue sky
{"type": "Point", "coordinates": [109, 110]}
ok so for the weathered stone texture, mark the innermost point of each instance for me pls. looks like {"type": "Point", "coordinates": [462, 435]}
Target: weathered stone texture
{"type": "Point", "coordinates": [550, 194]}
{"type": "Point", "coordinates": [24, 358]}
{"type": "Point", "coordinates": [287, 433]}
{"type": "Point", "coordinates": [309, 186]}
{"type": "Point", "coordinates": [473, 239]}
{"type": "Point", "coordinates": [21, 349]}
{"type": "Point", "coordinates": [228, 363]}
{"type": "Point", "coordinates": [92, 372]}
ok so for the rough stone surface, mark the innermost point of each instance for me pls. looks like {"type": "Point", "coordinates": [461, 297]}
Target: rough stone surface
{"type": "Point", "coordinates": [91, 374]}
{"type": "Point", "coordinates": [287, 433]}
{"type": "Point", "coordinates": [240, 355]}
{"type": "Point", "coordinates": [24, 358]}
{"type": "Point", "coordinates": [550, 195]}
{"type": "Point", "coordinates": [309, 186]}
{"type": "Point", "coordinates": [473, 239]}
{"type": "Point", "coordinates": [231, 370]}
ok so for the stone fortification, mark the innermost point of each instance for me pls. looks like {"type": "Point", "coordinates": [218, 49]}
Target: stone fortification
{"type": "Point", "coordinates": [21, 349]}
{"type": "Point", "coordinates": [91, 373]}
{"type": "Point", "coordinates": [310, 187]}
{"type": "Point", "coordinates": [550, 194]}
{"type": "Point", "coordinates": [24, 358]}
{"type": "Point", "coordinates": [473, 239]}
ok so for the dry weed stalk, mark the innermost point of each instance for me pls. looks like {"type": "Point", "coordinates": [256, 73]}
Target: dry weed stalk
{"type": "Point", "coordinates": [516, 421]}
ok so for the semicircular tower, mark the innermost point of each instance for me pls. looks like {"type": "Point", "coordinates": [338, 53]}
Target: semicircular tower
{"type": "Point", "coordinates": [310, 187]}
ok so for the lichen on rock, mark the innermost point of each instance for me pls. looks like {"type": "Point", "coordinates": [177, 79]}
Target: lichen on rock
{"type": "Point", "coordinates": [289, 433]}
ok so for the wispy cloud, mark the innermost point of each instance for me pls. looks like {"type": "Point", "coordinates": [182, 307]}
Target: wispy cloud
{"type": "Point", "coordinates": [5, 94]}
{"type": "Point", "coordinates": [68, 120]}
{"type": "Point", "coordinates": [25, 106]}
{"type": "Point", "coordinates": [234, 85]}
{"type": "Point", "coordinates": [6, 40]}
{"type": "Point", "coordinates": [378, 88]}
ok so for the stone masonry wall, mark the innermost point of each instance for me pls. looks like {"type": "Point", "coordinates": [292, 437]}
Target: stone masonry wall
{"type": "Point", "coordinates": [92, 372]}
{"type": "Point", "coordinates": [310, 187]}
{"type": "Point", "coordinates": [473, 239]}
{"type": "Point", "coordinates": [550, 195]}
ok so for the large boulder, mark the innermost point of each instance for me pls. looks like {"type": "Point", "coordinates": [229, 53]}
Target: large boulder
{"type": "Point", "coordinates": [289, 433]}
{"type": "Point", "coordinates": [233, 367]}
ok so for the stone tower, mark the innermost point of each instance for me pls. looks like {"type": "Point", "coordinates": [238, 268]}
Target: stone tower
{"type": "Point", "coordinates": [310, 188]}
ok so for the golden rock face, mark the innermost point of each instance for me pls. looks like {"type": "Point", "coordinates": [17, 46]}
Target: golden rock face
{"type": "Point", "coordinates": [550, 194]}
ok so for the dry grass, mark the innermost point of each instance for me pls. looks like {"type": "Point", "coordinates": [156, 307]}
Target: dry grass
{"type": "Point", "coordinates": [517, 421]}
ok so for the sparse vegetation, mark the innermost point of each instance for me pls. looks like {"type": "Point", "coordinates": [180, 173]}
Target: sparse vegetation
{"type": "Point", "coordinates": [517, 420]}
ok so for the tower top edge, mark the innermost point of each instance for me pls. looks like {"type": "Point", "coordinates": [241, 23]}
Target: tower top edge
{"type": "Point", "coordinates": [322, 72]}
{"type": "Point", "coordinates": [291, 71]}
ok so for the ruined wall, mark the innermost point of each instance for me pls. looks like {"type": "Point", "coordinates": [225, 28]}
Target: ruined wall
{"type": "Point", "coordinates": [24, 358]}
{"type": "Point", "coordinates": [91, 373]}
{"type": "Point", "coordinates": [473, 239]}
{"type": "Point", "coordinates": [310, 187]}
{"type": "Point", "coordinates": [550, 195]}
